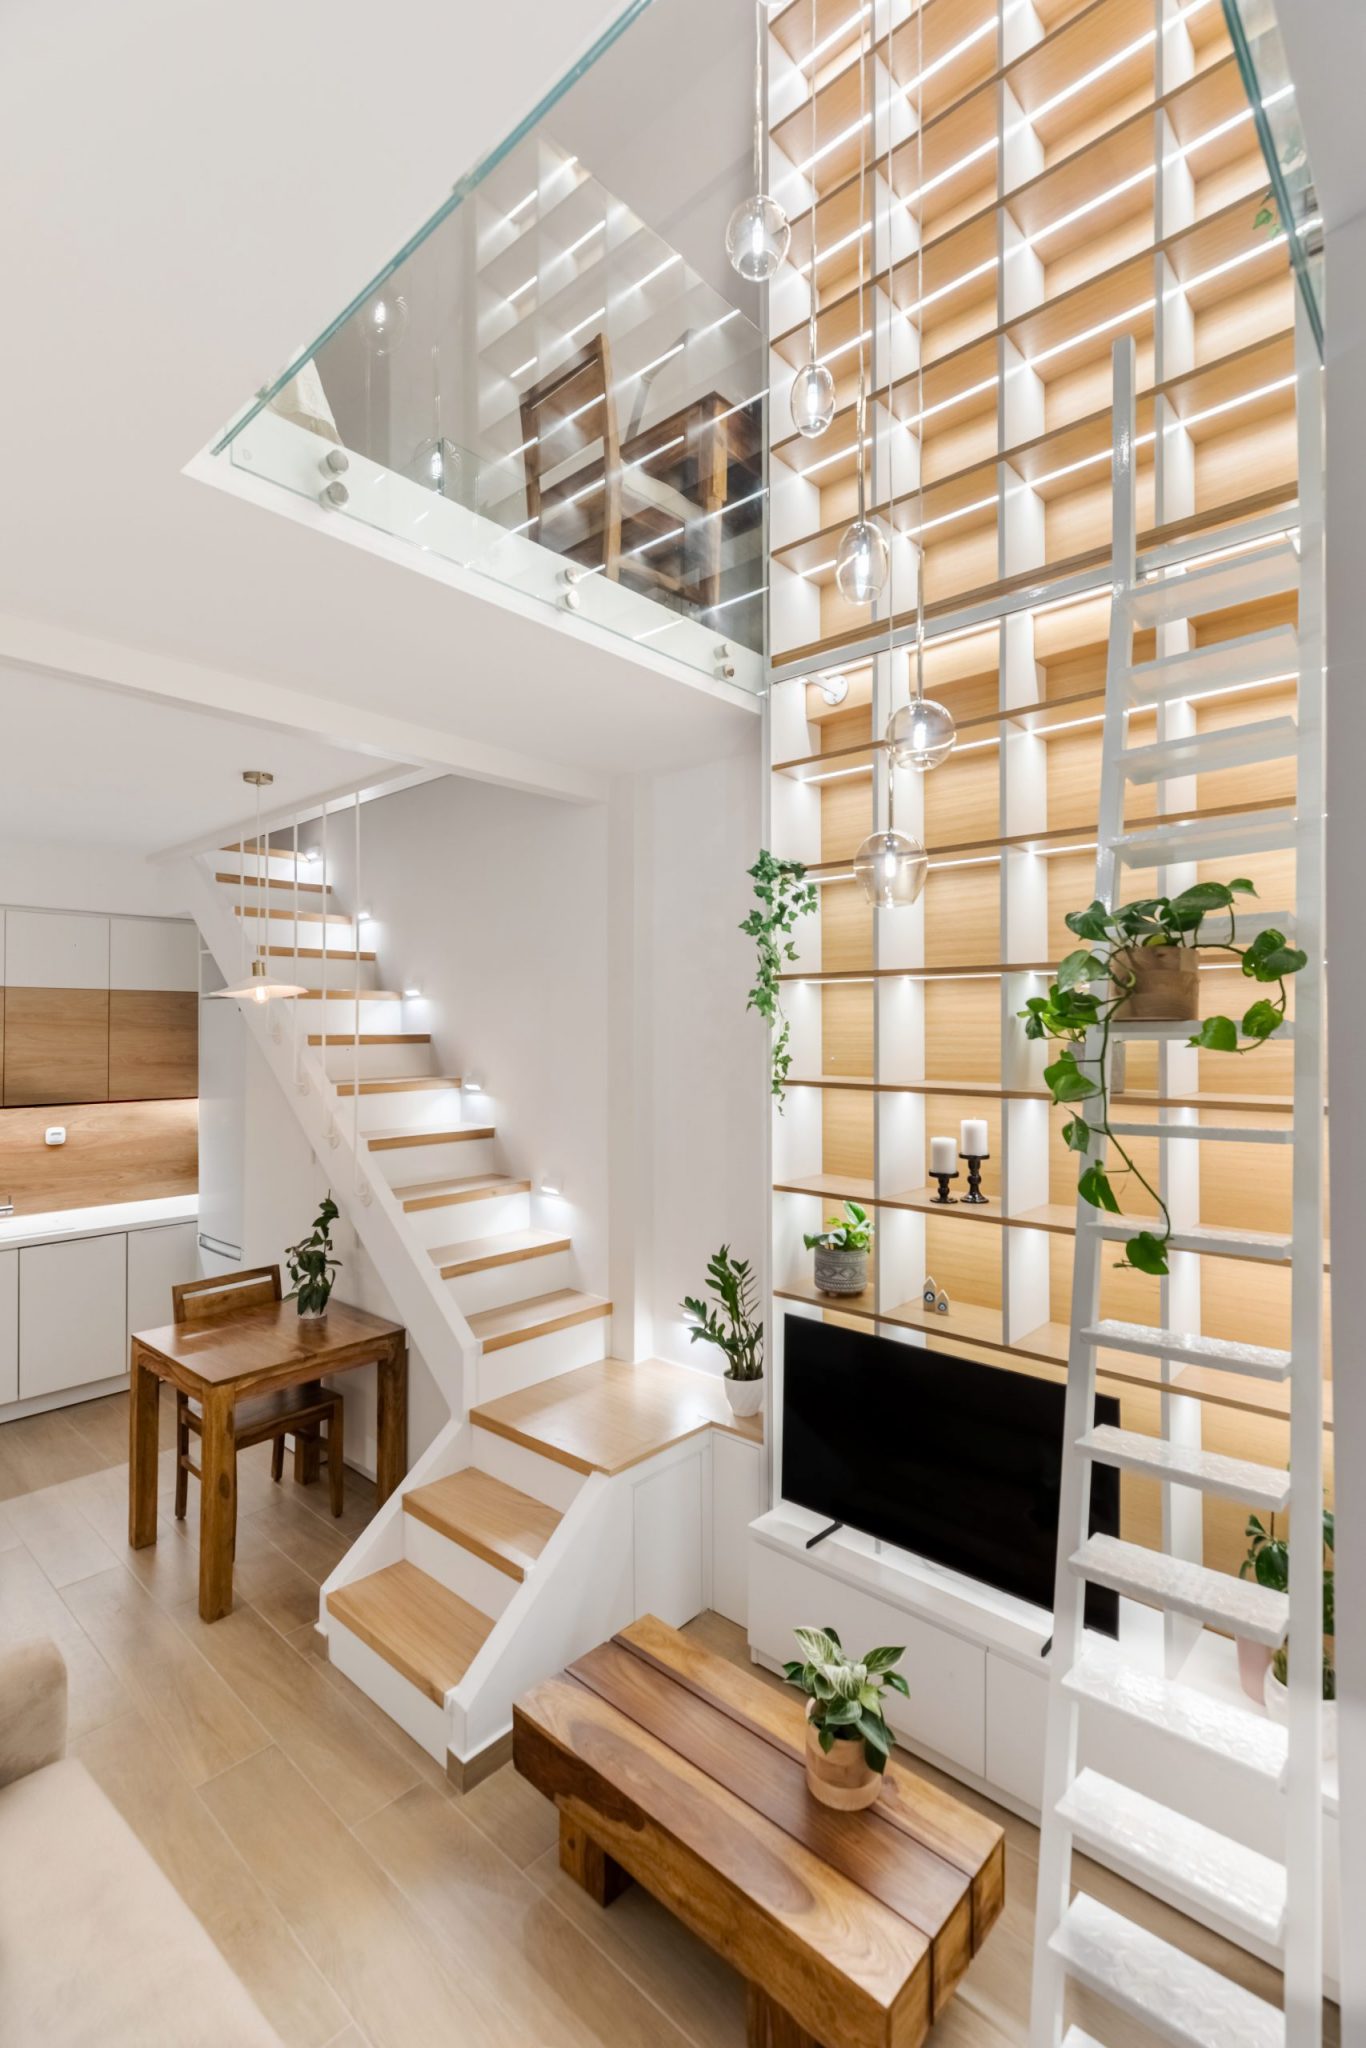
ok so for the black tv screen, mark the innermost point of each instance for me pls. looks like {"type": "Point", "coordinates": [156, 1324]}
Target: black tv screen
{"type": "Point", "coordinates": [957, 1462]}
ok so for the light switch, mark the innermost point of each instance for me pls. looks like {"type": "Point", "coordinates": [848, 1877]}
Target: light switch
{"type": "Point", "coordinates": [55, 1134]}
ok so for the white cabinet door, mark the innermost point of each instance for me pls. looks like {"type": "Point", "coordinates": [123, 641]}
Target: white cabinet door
{"type": "Point", "coordinates": [222, 1127]}
{"type": "Point", "coordinates": [668, 1542]}
{"type": "Point", "coordinates": [9, 1327]}
{"type": "Point", "coordinates": [153, 953]}
{"type": "Point", "coordinates": [72, 1313]}
{"type": "Point", "coordinates": [1017, 1717]}
{"type": "Point", "coordinates": [737, 1477]}
{"type": "Point", "coordinates": [56, 949]}
{"type": "Point", "coordinates": [159, 1260]}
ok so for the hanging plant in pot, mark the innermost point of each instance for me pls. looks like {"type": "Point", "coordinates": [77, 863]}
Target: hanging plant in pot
{"type": "Point", "coordinates": [732, 1328]}
{"type": "Point", "coordinates": [841, 1262]}
{"type": "Point", "coordinates": [312, 1266]}
{"type": "Point", "coordinates": [1139, 964]}
{"type": "Point", "coordinates": [847, 1738]}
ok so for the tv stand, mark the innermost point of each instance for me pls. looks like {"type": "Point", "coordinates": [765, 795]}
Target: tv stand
{"type": "Point", "coordinates": [821, 1534]}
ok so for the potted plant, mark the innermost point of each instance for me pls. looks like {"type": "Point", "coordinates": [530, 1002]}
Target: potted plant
{"type": "Point", "coordinates": [732, 1329]}
{"type": "Point", "coordinates": [784, 895]}
{"type": "Point", "coordinates": [1275, 1687]}
{"type": "Point", "coordinates": [1268, 1561]}
{"type": "Point", "coordinates": [1136, 965]}
{"type": "Point", "coordinates": [841, 1262]}
{"type": "Point", "coordinates": [847, 1738]}
{"type": "Point", "coordinates": [311, 1265]}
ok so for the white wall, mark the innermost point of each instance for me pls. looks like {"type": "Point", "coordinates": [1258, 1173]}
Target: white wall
{"type": "Point", "coordinates": [68, 875]}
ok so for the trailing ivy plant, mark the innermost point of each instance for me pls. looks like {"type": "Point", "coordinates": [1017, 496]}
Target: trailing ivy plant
{"type": "Point", "coordinates": [1072, 1009]}
{"type": "Point", "coordinates": [784, 895]}
{"type": "Point", "coordinates": [847, 1692]}
{"type": "Point", "coordinates": [734, 1330]}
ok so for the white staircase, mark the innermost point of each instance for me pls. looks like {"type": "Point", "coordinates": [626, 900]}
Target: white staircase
{"type": "Point", "coordinates": [1274, 1901]}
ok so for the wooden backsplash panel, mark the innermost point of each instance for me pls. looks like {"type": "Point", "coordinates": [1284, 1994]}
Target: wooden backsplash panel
{"type": "Point", "coordinates": [153, 1044]}
{"type": "Point", "coordinates": [114, 1152]}
{"type": "Point", "coordinates": [56, 1045]}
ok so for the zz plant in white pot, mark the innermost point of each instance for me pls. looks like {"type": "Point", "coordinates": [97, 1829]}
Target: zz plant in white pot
{"type": "Point", "coordinates": [733, 1328]}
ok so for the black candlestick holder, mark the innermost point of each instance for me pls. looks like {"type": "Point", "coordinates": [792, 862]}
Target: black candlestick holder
{"type": "Point", "coordinates": [943, 1180]}
{"type": "Point", "coordinates": [974, 1165]}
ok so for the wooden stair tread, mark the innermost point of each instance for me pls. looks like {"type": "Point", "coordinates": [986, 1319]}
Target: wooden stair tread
{"type": "Point", "coordinates": [370, 1037]}
{"type": "Point", "coordinates": [469, 1187]}
{"type": "Point", "coordinates": [517, 1322]}
{"type": "Point", "coordinates": [503, 1248]}
{"type": "Point", "coordinates": [504, 1526]}
{"type": "Point", "coordinates": [429, 1635]}
{"type": "Point", "coordinates": [309, 916]}
{"type": "Point", "coordinates": [349, 995]}
{"type": "Point", "coordinates": [392, 1141]}
{"type": "Point", "coordinates": [314, 952]}
{"type": "Point", "coordinates": [610, 1415]}
{"type": "Point", "coordinates": [277, 882]}
{"type": "Point", "coordinates": [396, 1084]}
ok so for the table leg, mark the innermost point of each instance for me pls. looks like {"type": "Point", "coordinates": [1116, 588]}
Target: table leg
{"type": "Point", "coordinates": [589, 1864]}
{"type": "Point", "coordinates": [217, 1505]}
{"type": "Point", "coordinates": [144, 1400]}
{"type": "Point", "coordinates": [391, 1457]}
{"type": "Point", "coordinates": [769, 2025]}
{"type": "Point", "coordinates": [307, 1457]}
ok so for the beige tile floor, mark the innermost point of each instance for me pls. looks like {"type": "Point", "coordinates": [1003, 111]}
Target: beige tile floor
{"type": "Point", "coordinates": [365, 1903]}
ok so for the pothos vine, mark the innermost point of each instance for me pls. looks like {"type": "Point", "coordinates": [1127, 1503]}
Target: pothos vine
{"type": "Point", "coordinates": [784, 895]}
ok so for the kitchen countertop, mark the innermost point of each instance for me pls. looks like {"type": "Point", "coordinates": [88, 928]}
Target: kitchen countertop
{"type": "Point", "coordinates": [52, 1225]}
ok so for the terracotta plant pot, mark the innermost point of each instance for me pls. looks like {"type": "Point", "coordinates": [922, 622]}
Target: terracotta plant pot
{"type": "Point", "coordinates": [840, 1272]}
{"type": "Point", "coordinates": [746, 1397]}
{"type": "Point", "coordinates": [1166, 983]}
{"type": "Point", "coordinates": [1254, 1661]}
{"type": "Point", "coordinates": [842, 1778]}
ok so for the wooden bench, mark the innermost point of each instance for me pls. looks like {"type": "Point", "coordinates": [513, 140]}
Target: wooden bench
{"type": "Point", "coordinates": [672, 1767]}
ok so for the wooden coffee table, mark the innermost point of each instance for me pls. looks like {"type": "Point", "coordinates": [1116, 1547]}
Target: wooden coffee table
{"type": "Point", "coordinates": [682, 1771]}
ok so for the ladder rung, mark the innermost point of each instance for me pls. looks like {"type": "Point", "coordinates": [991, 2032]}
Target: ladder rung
{"type": "Point", "coordinates": [1260, 1486]}
{"type": "Point", "coordinates": [1205, 753]}
{"type": "Point", "coordinates": [1178, 1586]}
{"type": "Point", "coordinates": [1263, 1245]}
{"type": "Point", "coordinates": [1204, 1722]}
{"type": "Point", "coordinates": [1208, 1134]}
{"type": "Point", "coordinates": [1238, 579]}
{"type": "Point", "coordinates": [1208, 839]}
{"type": "Point", "coordinates": [1220, 665]}
{"type": "Point", "coordinates": [1153, 1843]}
{"type": "Point", "coordinates": [1184, 2001]}
{"type": "Point", "coordinates": [1258, 1361]}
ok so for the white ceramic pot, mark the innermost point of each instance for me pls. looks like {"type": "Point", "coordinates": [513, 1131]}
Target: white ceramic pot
{"type": "Point", "coordinates": [839, 1272]}
{"type": "Point", "coordinates": [1277, 1700]}
{"type": "Point", "coordinates": [746, 1397]}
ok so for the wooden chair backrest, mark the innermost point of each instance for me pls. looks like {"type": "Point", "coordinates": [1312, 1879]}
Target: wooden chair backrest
{"type": "Point", "coordinates": [199, 1301]}
{"type": "Point", "coordinates": [571, 408]}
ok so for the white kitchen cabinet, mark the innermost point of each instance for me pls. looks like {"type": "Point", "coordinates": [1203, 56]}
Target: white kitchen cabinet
{"type": "Point", "coordinates": [737, 1482]}
{"type": "Point", "coordinates": [1017, 1717]}
{"type": "Point", "coordinates": [73, 1327]}
{"type": "Point", "coordinates": [9, 1327]}
{"type": "Point", "coordinates": [153, 953]}
{"type": "Point", "coordinates": [56, 949]}
{"type": "Point", "coordinates": [222, 1130]}
{"type": "Point", "coordinates": [668, 1542]}
{"type": "Point", "coordinates": [159, 1260]}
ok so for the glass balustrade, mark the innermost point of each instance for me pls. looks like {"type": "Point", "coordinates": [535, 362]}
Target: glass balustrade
{"type": "Point", "coordinates": [1290, 204]}
{"type": "Point", "coordinates": [543, 389]}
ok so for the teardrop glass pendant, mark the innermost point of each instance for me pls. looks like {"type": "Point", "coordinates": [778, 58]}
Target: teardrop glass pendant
{"type": "Point", "coordinates": [921, 734]}
{"type": "Point", "coordinates": [813, 400]}
{"type": "Point", "coordinates": [757, 238]}
{"type": "Point", "coordinates": [891, 869]}
{"type": "Point", "coordinates": [862, 562]}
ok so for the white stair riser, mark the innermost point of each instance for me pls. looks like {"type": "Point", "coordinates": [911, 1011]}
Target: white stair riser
{"type": "Point", "coordinates": [540, 1358]}
{"type": "Point", "coordinates": [502, 1284]}
{"type": "Point", "coordinates": [281, 866]}
{"type": "Point", "coordinates": [308, 973]}
{"type": "Point", "coordinates": [280, 931]}
{"type": "Point", "coordinates": [405, 1166]}
{"type": "Point", "coordinates": [339, 1014]}
{"type": "Point", "coordinates": [377, 1060]}
{"type": "Point", "coordinates": [457, 1222]}
{"type": "Point", "coordinates": [416, 1109]}
{"type": "Point", "coordinates": [545, 1479]}
{"type": "Point", "coordinates": [415, 1714]}
{"type": "Point", "coordinates": [456, 1568]}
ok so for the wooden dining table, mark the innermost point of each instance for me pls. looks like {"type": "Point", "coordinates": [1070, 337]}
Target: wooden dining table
{"type": "Point", "coordinates": [218, 1363]}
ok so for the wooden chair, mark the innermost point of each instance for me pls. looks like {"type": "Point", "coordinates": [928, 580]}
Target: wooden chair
{"type": "Point", "coordinates": [298, 1411]}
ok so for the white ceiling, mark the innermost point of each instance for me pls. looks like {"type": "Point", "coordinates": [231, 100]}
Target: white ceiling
{"type": "Point", "coordinates": [192, 192]}
{"type": "Point", "coordinates": [104, 768]}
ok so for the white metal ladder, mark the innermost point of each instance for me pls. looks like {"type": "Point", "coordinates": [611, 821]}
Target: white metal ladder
{"type": "Point", "coordinates": [1278, 1903]}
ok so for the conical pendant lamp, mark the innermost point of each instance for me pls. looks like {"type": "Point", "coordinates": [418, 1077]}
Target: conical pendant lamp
{"type": "Point", "coordinates": [257, 985]}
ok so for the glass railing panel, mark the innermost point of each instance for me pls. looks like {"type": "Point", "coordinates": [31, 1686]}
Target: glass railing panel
{"type": "Point", "coordinates": [1291, 203]}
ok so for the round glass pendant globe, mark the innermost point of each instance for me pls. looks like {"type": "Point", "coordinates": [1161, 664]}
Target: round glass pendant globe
{"type": "Point", "coordinates": [757, 238]}
{"type": "Point", "coordinates": [891, 869]}
{"type": "Point", "coordinates": [862, 563]}
{"type": "Point", "coordinates": [921, 734]}
{"type": "Point", "coordinates": [813, 400]}
{"type": "Point", "coordinates": [384, 322]}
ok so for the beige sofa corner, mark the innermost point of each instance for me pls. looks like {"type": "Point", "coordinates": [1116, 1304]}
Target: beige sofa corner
{"type": "Point", "coordinates": [97, 1949]}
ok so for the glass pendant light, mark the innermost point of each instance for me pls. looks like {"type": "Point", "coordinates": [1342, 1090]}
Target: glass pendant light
{"type": "Point", "coordinates": [813, 387]}
{"type": "Point", "coordinates": [257, 986]}
{"type": "Point", "coordinates": [758, 234]}
{"type": "Point", "coordinates": [889, 867]}
{"type": "Point", "coordinates": [862, 560]}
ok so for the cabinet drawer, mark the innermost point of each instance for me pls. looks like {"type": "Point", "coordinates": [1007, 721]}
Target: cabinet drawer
{"type": "Point", "coordinates": [72, 1313]}
{"type": "Point", "coordinates": [9, 1327]}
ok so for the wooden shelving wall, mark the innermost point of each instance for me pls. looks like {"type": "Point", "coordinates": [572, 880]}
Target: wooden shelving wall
{"type": "Point", "coordinates": [1085, 171]}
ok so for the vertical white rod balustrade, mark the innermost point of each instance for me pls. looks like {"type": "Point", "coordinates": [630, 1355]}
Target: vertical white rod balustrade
{"type": "Point", "coordinates": [296, 975]}
{"type": "Point", "coordinates": [355, 1050]}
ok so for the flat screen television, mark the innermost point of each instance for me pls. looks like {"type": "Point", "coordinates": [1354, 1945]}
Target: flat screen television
{"type": "Point", "coordinates": [957, 1462]}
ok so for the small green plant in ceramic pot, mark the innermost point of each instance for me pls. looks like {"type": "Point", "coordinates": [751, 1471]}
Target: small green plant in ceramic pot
{"type": "Point", "coordinates": [848, 1741]}
{"type": "Point", "coordinates": [841, 1261]}
{"type": "Point", "coordinates": [312, 1266]}
{"type": "Point", "coordinates": [733, 1328]}
{"type": "Point", "coordinates": [1269, 1557]}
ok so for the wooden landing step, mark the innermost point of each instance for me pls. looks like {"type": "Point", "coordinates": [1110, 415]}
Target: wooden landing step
{"type": "Point", "coordinates": [445, 1194]}
{"type": "Point", "coordinates": [506, 1248]}
{"type": "Point", "coordinates": [505, 1527]}
{"type": "Point", "coordinates": [519, 1321]}
{"type": "Point", "coordinates": [370, 1037]}
{"type": "Point", "coordinates": [429, 1635]}
{"type": "Point", "coordinates": [397, 1084]}
{"type": "Point", "coordinates": [456, 1134]}
{"type": "Point", "coordinates": [608, 1416]}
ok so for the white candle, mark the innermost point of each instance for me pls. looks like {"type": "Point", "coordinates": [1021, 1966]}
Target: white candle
{"type": "Point", "coordinates": [943, 1158]}
{"type": "Point", "coordinates": [973, 1137]}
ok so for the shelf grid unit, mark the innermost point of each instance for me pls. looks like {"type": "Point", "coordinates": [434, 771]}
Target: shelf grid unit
{"type": "Point", "coordinates": [1087, 170]}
